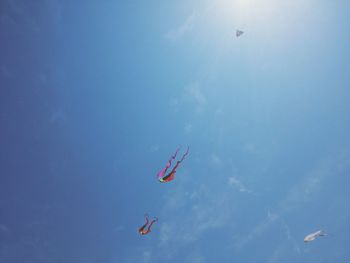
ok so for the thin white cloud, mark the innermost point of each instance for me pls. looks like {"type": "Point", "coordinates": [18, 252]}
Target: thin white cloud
{"type": "Point", "coordinates": [188, 128]}
{"type": "Point", "coordinates": [298, 196]}
{"type": "Point", "coordinates": [174, 104]}
{"type": "Point", "coordinates": [181, 30]}
{"type": "Point", "coordinates": [277, 255]}
{"type": "Point", "coordinates": [250, 148]}
{"type": "Point", "coordinates": [147, 256]}
{"type": "Point", "coordinates": [235, 183]}
{"type": "Point", "coordinates": [256, 232]}
{"type": "Point", "coordinates": [215, 160]}
{"type": "Point", "coordinates": [154, 148]}
{"type": "Point", "coordinates": [290, 238]}
{"type": "Point", "coordinates": [214, 212]}
{"type": "Point", "coordinates": [195, 257]}
{"type": "Point", "coordinates": [193, 95]}
{"type": "Point", "coordinates": [194, 90]}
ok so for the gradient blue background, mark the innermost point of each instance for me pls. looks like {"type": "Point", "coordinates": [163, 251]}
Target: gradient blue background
{"type": "Point", "coordinates": [96, 95]}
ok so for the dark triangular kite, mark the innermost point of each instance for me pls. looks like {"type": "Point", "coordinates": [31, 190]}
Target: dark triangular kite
{"type": "Point", "coordinates": [239, 32]}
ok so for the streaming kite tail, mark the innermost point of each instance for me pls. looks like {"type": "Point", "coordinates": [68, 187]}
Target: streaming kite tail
{"type": "Point", "coordinates": [171, 159]}
{"type": "Point", "coordinates": [152, 222]}
{"type": "Point", "coordinates": [323, 233]}
{"type": "Point", "coordinates": [163, 171]}
{"type": "Point", "coordinates": [178, 162]}
{"type": "Point", "coordinates": [174, 156]}
{"type": "Point", "coordinates": [185, 154]}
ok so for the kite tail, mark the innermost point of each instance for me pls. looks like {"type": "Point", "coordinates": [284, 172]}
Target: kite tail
{"type": "Point", "coordinates": [152, 222]}
{"type": "Point", "coordinates": [178, 162]}
{"type": "Point", "coordinates": [322, 233]}
{"type": "Point", "coordinates": [183, 156]}
{"type": "Point", "coordinates": [162, 172]}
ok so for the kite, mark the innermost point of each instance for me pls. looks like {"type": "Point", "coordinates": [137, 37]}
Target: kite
{"type": "Point", "coordinates": [143, 230]}
{"type": "Point", "coordinates": [170, 176]}
{"type": "Point", "coordinates": [312, 236]}
{"type": "Point", "coordinates": [239, 32]}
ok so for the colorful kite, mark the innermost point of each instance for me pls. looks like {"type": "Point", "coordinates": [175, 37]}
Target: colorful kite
{"type": "Point", "coordinates": [170, 176]}
{"type": "Point", "coordinates": [143, 230]}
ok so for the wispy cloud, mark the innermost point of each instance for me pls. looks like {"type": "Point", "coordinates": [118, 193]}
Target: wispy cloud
{"type": "Point", "coordinates": [215, 160]}
{"type": "Point", "coordinates": [302, 193]}
{"type": "Point", "coordinates": [195, 257]}
{"type": "Point", "coordinates": [188, 128]}
{"type": "Point", "coordinates": [181, 30]}
{"type": "Point", "coordinates": [256, 232]}
{"type": "Point", "coordinates": [204, 212]}
{"type": "Point", "coordinates": [251, 148]}
{"type": "Point", "coordinates": [235, 183]}
{"type": "Point", "coordinates": [193, 95]}
{"type": "Point", "coordinates": [154, 148]}
{"type": "Point", "coordinates": [147, 257]}
{"type": "Point", "coordinates": [195, 92]}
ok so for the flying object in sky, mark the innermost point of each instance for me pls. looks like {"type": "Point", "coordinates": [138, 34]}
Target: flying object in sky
{"type": "Point", "coordinates": [312, 236]}
{"type": "Point", "coordinates": [239, 32]}
{"type": "Point", "coordinates": [170, 176]}
{"type": "Point", "coordinates": [144, 230]}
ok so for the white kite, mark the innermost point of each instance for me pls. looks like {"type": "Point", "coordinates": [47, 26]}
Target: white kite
{"type": "Point", "coordinates": [312, 236]}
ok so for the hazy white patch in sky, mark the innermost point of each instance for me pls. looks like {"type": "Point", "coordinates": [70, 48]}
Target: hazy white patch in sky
{"type": "Point", "coordinates": [235, 183]}
{"type": "Point", "coordinates": [206, 212]}
{"type": "Point", "coordinates": [250, 148]}
{"type": "Point", "coordinates": [290, 237]}
{"type": "Point", "coordinates": [277, 255]}
{"type": "Point", "coordinates": [174, 104]}
{"type": "Point", "coordinates": [305, 190]}
{"type": "Point", "coordinates": [147, 257]}
{"type": "Point", "coordinates": [219, 112]}
{"type": "Point", "coordinates": [195, 257]}
{"type": "Point", "coordinates": [184, 28]}
{"type": "Point", "coordinates": [299, 195]}
{"type": "Point", "coordinates": [165, 232]}
{"type": "Point", "coordinates": [256, 232]}
{"type": "Point", "coordinates": [194, 93]}
{"type": "Point", "coordinates": [154, 148]}
{"type": "Point", "coordinates": [188, 128]}
{"type": "Point", "coordinates": [272, 216]}
{"type": "Point", "coordinates": [215, 160]}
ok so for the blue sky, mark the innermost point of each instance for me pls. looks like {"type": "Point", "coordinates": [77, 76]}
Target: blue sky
{"type": "Point", "coordinates": [95, 96]}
